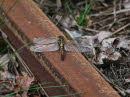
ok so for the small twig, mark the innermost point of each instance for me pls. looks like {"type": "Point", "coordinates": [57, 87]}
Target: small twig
{"type": "Point", "coordinates": [117, 31]}
{"type": "Point", "coordinates": [59, 19]}
{"type": "Point", "coordinates": [110, 25]}
{"type": "Point", "coordinates": [121, 11]}
{"type": "Point", "coordinates": [92, 30]}
{"type": "Point", "coordinates": [122, 19]}
{"type": "Point", "coordinates": [120, 29]}
{"type": "Point", "coordinates": [104, 20]}
{"type": "Point", "coordinates": [120, 4]}
{"type": "Point", "coordinates": [104, 4]}
{"type": "Point", "coordinates": [114, 10]}
{"type": "Point", "coordinates": [81, 3]}
{"type": "Point", "coordinates": [41, 2]}
{"type": "Point", "coordinates": [117, 12]}
{"type": "Point", "coordinates": [115, 75]}
{"type": "Point", "coordinates": [58, 3]}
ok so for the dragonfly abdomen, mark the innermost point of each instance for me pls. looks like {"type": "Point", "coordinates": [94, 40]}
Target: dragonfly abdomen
{"type": "Point", "coordinates": [62, 54]}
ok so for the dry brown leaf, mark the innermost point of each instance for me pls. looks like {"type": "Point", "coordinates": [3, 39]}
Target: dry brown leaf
{"type": "Point", "coordinates": [24, 81]}
{"type": "Point", "coordinates": [6, 75]}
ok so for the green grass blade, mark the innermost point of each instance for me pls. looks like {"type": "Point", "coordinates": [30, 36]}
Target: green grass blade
{"type": "Point", "coordinates": [12, 6]}
{"type": "Point", "coordinates": [17, 51]}
{"type": "Point", "coordinates": [59, 86]}
{"type": "Point", "coordinates": [69, 10]}
{"type": "Point", "coordinates": [41, 84]}
{"type": "Point", "coordinates": [74, 94]}
{"type": "Point", "coordinates": [11, 94]}
{"type": "Point", "coordinates": [84, 13]}
{"type": "Point", "coordinates": [3, 50]}
{"type": "Point", "coordinates": [2, 4]}
{"type": "Point", "coordinates": [4, 16]}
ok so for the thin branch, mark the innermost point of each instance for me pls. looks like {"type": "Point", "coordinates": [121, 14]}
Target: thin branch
{"type": "Point", "coordinates": [117, 12]}
{"type": "Point", "coordinates": [120, 29]}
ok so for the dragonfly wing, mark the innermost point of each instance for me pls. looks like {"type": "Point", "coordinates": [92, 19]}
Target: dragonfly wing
{"type": "Point", "coordinates": [44, 48]}
{"type": "Point", "coordinates": [45, 40]}
{"type": "Point", "coordinates": [75, 47]}
{"type": "Point", "coordinates": [85, 41]}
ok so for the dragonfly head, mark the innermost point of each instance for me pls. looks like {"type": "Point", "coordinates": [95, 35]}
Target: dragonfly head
{"type": "Point", "coordinates": [61, 37]}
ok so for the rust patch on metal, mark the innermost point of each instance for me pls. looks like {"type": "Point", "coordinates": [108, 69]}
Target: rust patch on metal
{"type": "Point", "coordinates": [75, 71]}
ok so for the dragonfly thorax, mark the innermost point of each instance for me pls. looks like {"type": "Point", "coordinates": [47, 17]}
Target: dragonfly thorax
{"type": "Point", "coordinates": [60, 40]}
{"type": "Point", "coordinates": [61, 43]}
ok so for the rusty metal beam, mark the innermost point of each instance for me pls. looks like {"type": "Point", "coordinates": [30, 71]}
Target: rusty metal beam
{"type": "Point", "coordinates": [25, 22]}
{"type": "Point", "coordinates": [38, 70]}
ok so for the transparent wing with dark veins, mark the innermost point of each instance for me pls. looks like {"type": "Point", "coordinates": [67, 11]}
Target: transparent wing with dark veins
{"type": "Point", "coordinates": [84, 41]}
{"type": "Point", "coordinates": [75, 46]}
{"type": "Point", "coordinates": [45, 47]}
{"type": "Point", "coordinates": [45, 40]}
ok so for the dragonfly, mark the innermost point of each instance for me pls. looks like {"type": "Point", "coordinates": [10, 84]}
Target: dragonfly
{"type": "Point", "coordinates": [59, 43]}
